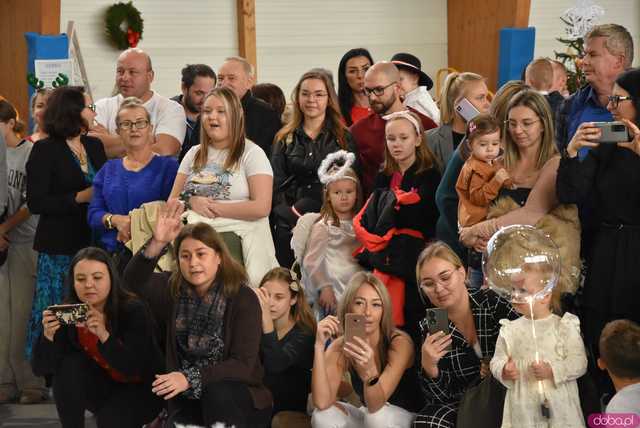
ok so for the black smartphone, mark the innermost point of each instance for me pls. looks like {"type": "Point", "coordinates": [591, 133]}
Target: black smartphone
{"type": "Point", "coordinates": [437, 320]}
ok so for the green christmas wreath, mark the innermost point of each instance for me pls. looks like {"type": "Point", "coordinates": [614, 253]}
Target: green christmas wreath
{"type": "Point", "coordinates": [124, 25]}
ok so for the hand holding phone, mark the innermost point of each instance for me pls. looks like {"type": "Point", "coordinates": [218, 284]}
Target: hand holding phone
{"type": "Point", "coordinates": [70, 314]}
{"type": "Point", "coordinates": [354, 326]}
{"type": "Point", "coordinates": [612, 132]}
{"type": "Point", "coordinates": [466, 109]}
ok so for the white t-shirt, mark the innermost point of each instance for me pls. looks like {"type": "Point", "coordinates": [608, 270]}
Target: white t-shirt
{"type": "Point", "coordinates": [167, 116]}
{"type": "Point", "coordinates": [220, 184]}
{"type": "Point", "coordinates": [626, 400]}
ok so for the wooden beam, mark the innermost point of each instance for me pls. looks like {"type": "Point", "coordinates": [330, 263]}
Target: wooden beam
{"type": "Point", "coordinates": [246, 13]}
{"type": "Point", "coordinates": [16, 18]}
{"type": "Point", "coordinates": [474, 33]}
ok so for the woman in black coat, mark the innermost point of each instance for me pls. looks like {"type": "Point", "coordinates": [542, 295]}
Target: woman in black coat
{"type": "Point", "coordinates": [60, 171]}
{"type": "Point", "coordinates": [107, 363]}
{"type": "Point", "coordinates": [315, 131]}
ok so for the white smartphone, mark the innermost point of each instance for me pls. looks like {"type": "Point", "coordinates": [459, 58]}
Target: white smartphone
{"type": "Point", "coordinates": [466, 109]}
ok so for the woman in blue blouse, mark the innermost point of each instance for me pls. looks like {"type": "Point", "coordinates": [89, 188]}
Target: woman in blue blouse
{"type": "Point", "coordinates": [124, 184]}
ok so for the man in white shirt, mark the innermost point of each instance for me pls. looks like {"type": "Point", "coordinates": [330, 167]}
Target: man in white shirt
{"type": "Point", "coordinates": [134, 75]}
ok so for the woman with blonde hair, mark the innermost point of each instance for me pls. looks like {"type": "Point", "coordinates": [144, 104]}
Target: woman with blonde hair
{"type": "Point", "coordinates": [315, 130]}
{"type": "Point", "coordinates": [531, 159]}
{"type": "Point", "coordinates": [381, 365]}
{"type": "Point", "coordinates": [447, 137]}
{"type": "Point", "coordinates": [210, 321]}
{"type": "Point", "coordinates": [227, 181]}
{"type": "Point", "coordinates": [450, 363]}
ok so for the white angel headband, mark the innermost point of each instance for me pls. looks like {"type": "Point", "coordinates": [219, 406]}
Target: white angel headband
{"type": "Point", "coordinates": [404, 114]}
{"type": "Point", "coordinates": [335, 166]}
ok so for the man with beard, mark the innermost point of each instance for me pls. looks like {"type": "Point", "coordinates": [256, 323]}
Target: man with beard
{"type": "Point", "coordinates": [197, 81]}
{"type": "Point", "coordinates": [134, 75]}
{"type": "Point", "coordinates": [381, 84]}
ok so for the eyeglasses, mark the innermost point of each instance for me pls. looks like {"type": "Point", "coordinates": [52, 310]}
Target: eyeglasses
{"type": "Point", "coordinates": [525, 125]}
{"type": "Point", "coordinates": [91, 107]}
{"type": "Point", "coordinates": [314, 95]}
{"type": "Point", "coordinates": [378, 90]}
{"type": "Point", "coordinates": [615, 100]}
{"type": "Point", "coordinates": [445, 281]}
{"type": "Point", "coordinates": [127, 124]}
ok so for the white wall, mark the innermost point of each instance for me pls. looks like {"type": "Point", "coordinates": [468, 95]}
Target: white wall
{"type": "Point", "coordinates": [545, 16]}
{"type": "Point", "coordinates": [296, 35]}
{"type": "Point", "coordinates": [292, 35]}
{"type": "Point", "coordinates": [175, 33]}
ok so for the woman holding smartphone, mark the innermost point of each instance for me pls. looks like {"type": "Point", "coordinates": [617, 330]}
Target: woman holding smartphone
{"type": "Point", "coordinates": [451, 362]}
{"type": "Point", "coordinates": [105, 364]}
{"type": "Point", "coordinates": [380, 364]}
{"type": "Point", "coordinates": [610, 176]}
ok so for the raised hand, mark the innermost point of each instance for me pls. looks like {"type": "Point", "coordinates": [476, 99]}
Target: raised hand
{"type": "Point", "coordinates": [634, 145]}
{"type": "Point", "coordinates": [264, 299]}
{"type": "Point", "coordinates": [50, 324]}
{"type": "Point", "coordinates": [586, 135]}
{"type": "Point", "coordinates": [433, 349]}
{"type": "Point", "coordinates": [362, 357]}
{"type": "Point", "coordinates": [169, 222]}
{"type": "Point", "coordinates": [327, 328]}
{"type": "Point", "coordinates": [96, 324]}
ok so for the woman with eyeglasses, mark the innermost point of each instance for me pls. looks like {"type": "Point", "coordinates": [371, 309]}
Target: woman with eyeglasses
{"type": "Point", "coordinates": [60, 173]}
{"type": "Point", "coordinates": [608, 178]}
{"type": "Point", "coordinates": [316, 130]}
{"type": "Point", "coordinates": [450, 363]}
{"type": "Point", "coordinates": [125, 184]}
{"type": "Point", "coordinates": [531, 159]}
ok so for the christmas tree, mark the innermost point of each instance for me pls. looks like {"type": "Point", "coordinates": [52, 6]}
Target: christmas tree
{"type": "Point", "coordinates": [578, 20]}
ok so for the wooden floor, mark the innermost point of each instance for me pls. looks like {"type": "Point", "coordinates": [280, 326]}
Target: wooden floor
{"type": "Point", "coordinates": [33, 416]}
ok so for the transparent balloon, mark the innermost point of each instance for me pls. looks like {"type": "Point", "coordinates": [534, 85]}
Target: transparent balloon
{"type": "Point", "coordinates": [521, 263]}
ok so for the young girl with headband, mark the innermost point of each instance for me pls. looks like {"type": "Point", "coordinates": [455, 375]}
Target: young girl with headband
{"type": "Point", "coordinates": [324, 242]}
{"type": "Point", "coordinates": [286, 348]}
{"type": "Point", "coordinates": [400, 215]}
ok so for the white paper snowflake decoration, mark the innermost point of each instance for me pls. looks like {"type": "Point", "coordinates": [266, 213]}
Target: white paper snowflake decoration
{"type": "Point", "coordinates": [582, 17]}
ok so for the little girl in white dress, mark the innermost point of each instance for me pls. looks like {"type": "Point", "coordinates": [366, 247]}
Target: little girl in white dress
{"type": "Point", "coordinates": [323, 242]}
{"type": "Point", "coordinates": [562, 360]}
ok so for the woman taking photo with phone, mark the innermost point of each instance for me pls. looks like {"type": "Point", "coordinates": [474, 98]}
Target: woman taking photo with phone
{"type": "Point", "coordinates": [105, 364]}
{"type": "Point", "coordinates": [211, 323]}
{"type": "Point", "coordinates": [609, 177]}
{"type": "Point", "coordinates": [450, 363]}
{"type": "Point", "coordinates": [381, 364]}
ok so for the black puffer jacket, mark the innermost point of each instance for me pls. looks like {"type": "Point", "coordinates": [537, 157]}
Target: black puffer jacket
{"type": "Point", "coordinates": [295, 162]}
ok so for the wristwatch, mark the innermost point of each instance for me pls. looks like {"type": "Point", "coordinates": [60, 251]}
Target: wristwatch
{"type": "Point", "coordinates": [373, 380]}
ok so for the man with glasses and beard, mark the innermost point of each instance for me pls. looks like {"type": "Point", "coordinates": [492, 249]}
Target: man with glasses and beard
{"type": "Point", "coordinates": [197, 81]}
{"type": "Point", "coordinates": [381, 84]}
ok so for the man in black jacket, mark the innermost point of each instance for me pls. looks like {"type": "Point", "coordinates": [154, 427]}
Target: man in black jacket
{"type": "Point", "coordinates": [261, 121]}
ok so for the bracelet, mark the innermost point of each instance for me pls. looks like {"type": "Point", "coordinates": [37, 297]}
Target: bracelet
{"type": "Point", "coordinates": [107, 221]}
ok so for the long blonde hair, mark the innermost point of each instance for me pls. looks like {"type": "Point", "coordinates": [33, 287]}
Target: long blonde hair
{"type": "Point", "coordinates": [235, 119]}
{"type": "Point", "coordinates": [333, 117]}
{"type": "Point", "coordinates": [425, 158]}
{"type": "Point", "coordinates": [453, 89]}
{"type": "Point", "coordinates": [437, 250]}
{"type": "Point", "coordinates": [387, 328]}
{"type": "Point", "coordinates": [540, 106]}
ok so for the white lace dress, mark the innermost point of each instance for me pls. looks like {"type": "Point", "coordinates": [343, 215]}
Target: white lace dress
{"type": "Point", "coordinates": [560, 344]}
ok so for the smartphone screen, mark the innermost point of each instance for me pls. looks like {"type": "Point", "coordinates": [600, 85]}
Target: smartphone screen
{"type": "Point", "coordinates": [354, 326]}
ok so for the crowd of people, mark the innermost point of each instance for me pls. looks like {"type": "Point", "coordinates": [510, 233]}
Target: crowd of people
{"type": "Point", "coordinates": [221, 246]}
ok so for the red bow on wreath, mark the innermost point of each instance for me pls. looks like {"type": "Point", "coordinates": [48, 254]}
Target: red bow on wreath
{"type": "Point", "coordinates": [133, 38]}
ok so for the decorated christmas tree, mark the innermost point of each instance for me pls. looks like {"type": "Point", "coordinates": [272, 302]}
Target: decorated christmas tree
{"type": "Point", "coordinates": [578, 20]}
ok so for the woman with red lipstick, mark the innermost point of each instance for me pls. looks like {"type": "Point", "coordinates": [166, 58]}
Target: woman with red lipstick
{"type": "Point", "coordinates": [381, 366]}
{"type": "Point", "coordinates": [107, 363]}
{"type": "Point", "coordinates": [609, 175]}
{"type": "Point", "coordinates": [316, 130]}
{"type": "Point", "coordinates": [354, 103]}
{"type": "Point", "coordinates": [450, 363]}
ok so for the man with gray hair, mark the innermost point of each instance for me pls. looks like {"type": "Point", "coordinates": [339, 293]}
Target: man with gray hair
{"type": "Point", "coordinates": [261, 122]}
{"type": "Point", "coordinates": [608, 51]}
